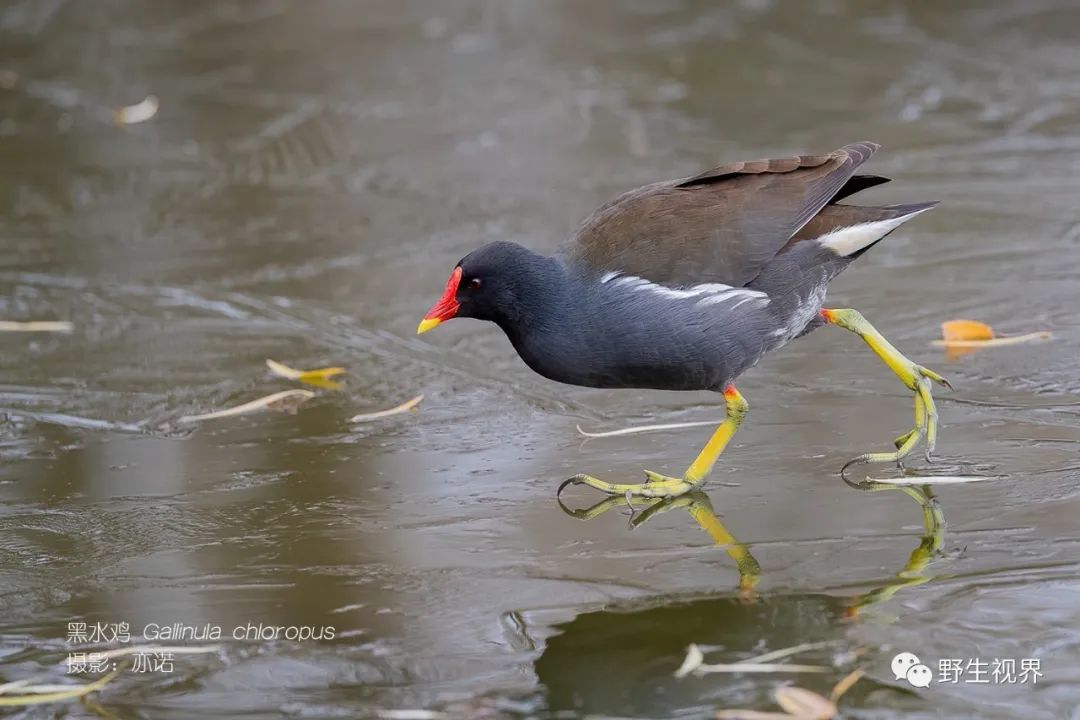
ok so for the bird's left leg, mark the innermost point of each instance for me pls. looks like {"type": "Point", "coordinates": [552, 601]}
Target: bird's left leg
{"type": "Point", "coordinates": [662, 486]}
{"type": "Point", "coordinates": [915, 377]}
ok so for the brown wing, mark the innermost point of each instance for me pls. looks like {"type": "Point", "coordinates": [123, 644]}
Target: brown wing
{"type": "Point", "coordinates": [720, 226]}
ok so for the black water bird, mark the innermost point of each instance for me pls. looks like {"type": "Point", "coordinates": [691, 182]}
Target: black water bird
{"type": "Point", "coordinates": [686, 284]}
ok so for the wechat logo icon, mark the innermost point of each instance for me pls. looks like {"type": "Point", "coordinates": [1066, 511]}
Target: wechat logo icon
{"type": "Point", "coordinates": [907, 666]}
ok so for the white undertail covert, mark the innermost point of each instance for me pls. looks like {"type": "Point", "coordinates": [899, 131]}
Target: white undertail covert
{"type": "Point", "coordinates": [850, 240]}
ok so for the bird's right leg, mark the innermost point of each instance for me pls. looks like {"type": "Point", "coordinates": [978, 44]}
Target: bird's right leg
{"type": "Point", "coordinates": [915, 377]}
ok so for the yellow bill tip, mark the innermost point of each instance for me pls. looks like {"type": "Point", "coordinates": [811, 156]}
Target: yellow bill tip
{"type": "Point", "coordinates": [427, 324]}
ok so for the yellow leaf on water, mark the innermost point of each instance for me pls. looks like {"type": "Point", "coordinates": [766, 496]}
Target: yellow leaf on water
{"type": "Point", "coordinates": [966, 330]}
{"type": "Point", "coordinates": [319, 377]}
{"type": "Point", "coordinates": [803, 703]}
{"type": "Point", "coordinates": [846, 683]}
{"type": "Point", "coordinates": [960, 337]}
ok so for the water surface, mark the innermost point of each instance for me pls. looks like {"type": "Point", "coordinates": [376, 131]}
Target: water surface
{"type": "Point", "coordinates": [313, 174]}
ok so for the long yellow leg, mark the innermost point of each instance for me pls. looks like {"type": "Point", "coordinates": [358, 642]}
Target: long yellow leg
{"type": "Point", "coordinates": [920, 424]}
{"type": "Point", "coordinates": [915, 377]}
{"type": "Point", "coordinates": [663, 486]}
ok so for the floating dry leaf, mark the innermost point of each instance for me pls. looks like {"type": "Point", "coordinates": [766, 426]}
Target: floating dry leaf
{"type": "Point", "coordinates": [40, 694]}
{"type": "Point", "coordinates": [934, 479]}
{"type": "Point", "coordinates": [845, 684]}
{"type": "Point", "coordinates": [137, 113]}
{"type": "Point", "coordinates": [802, 703]}
{"type": "Point", "coordinates": [693, 660]}
{"type": "Point", "coordinates": [960, 337]}
{"type": "Point", "coordinates": [798, 703]}
{"type": "Point", "coordinates": [61, 326]}
{"type": "Point", "coordinates": [789, 651]}
{"type": "Point", "coordinates": [966, 330]}
{"type": "Point", "coordinates": [319, 377]}
{"type": "Point", "coordinates": [648, 428]}
{"type": "Point", "coordinates": [285, 400]}
{"type": "Point", "coordinates": [52, 694]}
{"type": "Point", "coordinates": [745, 667]}
{"type": "Point", "coordinates": [996, 342]}
{"type": "Point", "coordinates": [403, 407]}
{"type": "Point", "coordinates": [13, 685]}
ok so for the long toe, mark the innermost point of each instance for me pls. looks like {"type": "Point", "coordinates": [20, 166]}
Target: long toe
{"type": "Point", "coordinates": [657, 486]}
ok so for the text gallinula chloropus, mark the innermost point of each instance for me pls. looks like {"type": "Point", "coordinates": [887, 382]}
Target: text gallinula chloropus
{"type": "Point", "coordinates": [685, 284]}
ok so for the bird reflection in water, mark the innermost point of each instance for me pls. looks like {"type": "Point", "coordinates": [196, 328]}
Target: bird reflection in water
{"type": "Point", "coordinates": [700, 508]}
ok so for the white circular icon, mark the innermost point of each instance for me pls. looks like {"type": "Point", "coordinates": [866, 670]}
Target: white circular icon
{"type": "Point", "coordinates": [919, 676]}
{"type": "Point", "coordinates": [902, 663]}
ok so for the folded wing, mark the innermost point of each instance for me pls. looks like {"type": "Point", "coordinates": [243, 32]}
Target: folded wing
{"type": "Point", "coordinates": [721, 226]}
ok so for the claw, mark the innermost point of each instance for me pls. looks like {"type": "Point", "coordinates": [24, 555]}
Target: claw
{"type": "Point", "coordinates": [569, 481]}
{"type": "Point", "coordinates": [861, 460]}
{"type": "Point", "coordinates": [629, 497]}
{"type": "Point", "coordinates": [927, 373]}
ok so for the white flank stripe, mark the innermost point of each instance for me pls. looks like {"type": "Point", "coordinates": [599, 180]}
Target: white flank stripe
{"type": "Point", "coordinates": [709, 293]}
{"type": "Point", "coordinates": [756, 297]}
{"type": "Point", "coordinates": [849, 240]}
{"type": "Point", "coordinates": [719, 297]}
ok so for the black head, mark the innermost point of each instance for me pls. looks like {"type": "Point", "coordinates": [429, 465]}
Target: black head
{"type": "Point", "coordinates": [501, 282]}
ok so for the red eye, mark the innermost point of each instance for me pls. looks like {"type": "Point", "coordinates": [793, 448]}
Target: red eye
{"type": "Point", "coordinates": [474, 284]}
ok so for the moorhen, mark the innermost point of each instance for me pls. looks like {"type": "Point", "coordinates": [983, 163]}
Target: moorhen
{"type": "Point", "coordinates": [686, 284]}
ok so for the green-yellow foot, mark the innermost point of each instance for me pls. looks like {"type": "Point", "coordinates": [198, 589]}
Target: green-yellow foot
{"type": "Point", "coordinates": [915, 377]}
{"type": "Point", "coordinates": [664, 486]}
{"type": "Point", "coordinates": [655, 486]}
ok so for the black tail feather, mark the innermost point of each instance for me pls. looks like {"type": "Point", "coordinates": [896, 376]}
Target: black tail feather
{"type": "Point", "coordinates": [858, 183]}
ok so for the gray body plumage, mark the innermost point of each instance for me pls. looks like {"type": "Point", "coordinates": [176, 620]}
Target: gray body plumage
{"type": "Point", "coordinates": [616, 335]}
{"type": "Point", "coordinates": [623, 335]}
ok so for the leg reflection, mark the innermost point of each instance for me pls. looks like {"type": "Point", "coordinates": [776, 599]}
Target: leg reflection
{"type": "Point", "coordinates": [701, 510]}
{"type": "Point", "coordinates": [930, 544]}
